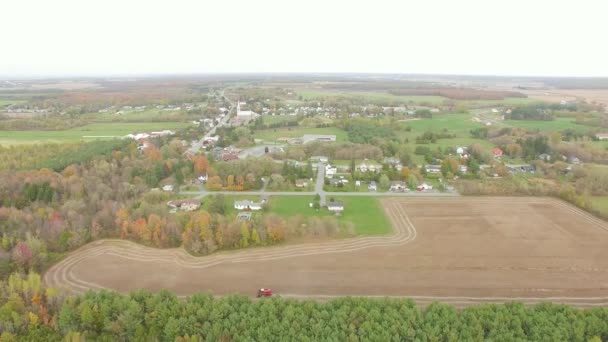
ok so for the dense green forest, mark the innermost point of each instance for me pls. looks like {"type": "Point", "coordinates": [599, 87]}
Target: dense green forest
{"type": "Point", "coordinates": [29, 312]}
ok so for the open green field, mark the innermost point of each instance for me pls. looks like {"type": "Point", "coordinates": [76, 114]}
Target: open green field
{"type": "Point", "coordinates": [6, 102]}
{"type": "Point", "coordinates": [458, 123]}
{"type": "Point", "coordinates": [272, 119]}
{"type": "Point", "coordinates": [365, 213]}
{"type": "Point", "coordinates": [293, 132]}
{"type": "Point", "coordinates": [308, 94]}
{"type": "Point", "coordinates": [559, 124]}
{"type": "Point", "coordinates": [146, 115]}
{"type": "Point", "coordinates": [85, 133]}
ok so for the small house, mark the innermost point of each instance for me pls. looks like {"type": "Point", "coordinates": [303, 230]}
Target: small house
{"type": "Point", "coordinates": [247, 205]}
{"type": "Point", "coordinates": [497, 152]}
{"type": "Point", "coordinates": [168, 188]}
{"type": "Point", "coordinates": [336, 207]}
{"type": "Point", "coordinates": [372, 186]}
{"type": "Point", "coordinates": [330, 171]}
{"type": "Point", "coordinates": [301, 183]}
{"type": "Point", "coordinates": [602, 136]}
{"type": "Point", "coordinates": [574, 160]}
{"type": "Point", "coordinates": [424, 187]}
{"type": "Point", "coordinates": [397, 186]}
{"type": "Point", "coordinates": [432, 168]}
{"type": "Point", "coordinates": [544, 157]}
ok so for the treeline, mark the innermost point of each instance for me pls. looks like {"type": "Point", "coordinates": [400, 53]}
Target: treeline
{"type": "Point", "coordinates": [366, 132]}
{"type": "Point", "coordinates": [259, 124]}
{"type": "Point", "coordinates": [46, 123]}
{"type": "Point", "coordinates": [212, 228]}
{"type": "Point", "coordinates": [457, 93]}
{"type": "Point", "coordinates": [28, 311]}
{"type": "Point", "coordinates": [21, 157]}
{"type": "Point", "coordinates": [532, 112]}
{"type": "Point", "coordinates": [45, 213]}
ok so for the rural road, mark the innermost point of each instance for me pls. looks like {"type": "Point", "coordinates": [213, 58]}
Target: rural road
{"type": "Point", "coordinates": [322, 193]}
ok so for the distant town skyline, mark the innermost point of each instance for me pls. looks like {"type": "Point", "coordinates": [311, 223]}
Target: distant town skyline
{"type": "Point", "coordinates": [67, 38]}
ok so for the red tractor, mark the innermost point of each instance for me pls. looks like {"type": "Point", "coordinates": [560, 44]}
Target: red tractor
{"type": "Point", "coordinates": [264, 293]}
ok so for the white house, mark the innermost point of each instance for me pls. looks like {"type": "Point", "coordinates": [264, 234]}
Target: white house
{"type": "Point", "coordinates": [168, 187]}
{"type": "Point", "coordinates": [247, 205]}
{"type": "Point", "coordinates": [306, 138]}
{"type": "Point", "coordinates": [363, 168]}
{"type": "Point", "coordinates": [433, 168]}
{"type": "Point", "coordinates": [424, 187]}
{"type": "Point", "coordinates": [372, 186]}
{"type": "Point", "coordinates": [398, 186]}
{"type": "Point", "coordinates": [330, 171]}
{"type": "Point", "coordinates": [461, 150]}
{"type": "Point", "coordinates": [602, 136]}
{"type": "Point", "coordinates": [336, 207]}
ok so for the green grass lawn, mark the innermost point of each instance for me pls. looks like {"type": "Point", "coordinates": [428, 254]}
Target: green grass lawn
{"type": "Point", "coordinates": [459, 124]}
{"type": "Point", "coordinates": [272, 119]}
{"type": "Point", "coordinates": [6, 102]}
{"type": "Point", "coordinates": [293, 132]}
{"type": "Point", "coordinates": [559, 124]}
{"type": "Point", "coordinates": [365, 213]}
{"type": "Point", "coordinates": [85, 133]}
{"type": "Point", "coordinates": [229, 200]}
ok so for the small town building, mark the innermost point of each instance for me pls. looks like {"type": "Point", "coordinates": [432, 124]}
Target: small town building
{"type": "Point", "coordinates": [247, 205]}
{"type": "Point", "coordinates": [301, 183]}
{"type": "Point", "coordinates": [336, 207]}
{"type": "Point", "coordinates": [602, 136]}
{"type": "Point", "coordinates": [433, 168]}
{"type": "Point", "coordinates": [398, 186]}
{"type": "Point", "coordinates": [424, 187]}
{"type": "Point", "coordinates": [372, 186]}
{"type": "Point", "coordinates": [497, 152]}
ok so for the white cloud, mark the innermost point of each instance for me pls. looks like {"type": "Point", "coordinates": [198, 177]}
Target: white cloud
{"type": "Point", "coordinates": [70, 37]}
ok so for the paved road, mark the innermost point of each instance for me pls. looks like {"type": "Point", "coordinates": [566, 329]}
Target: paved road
{"type": "Point", "coordinates": [201, 194]}
{"type": "Point", "coordinates": [196, 146]}
{"type": "Point", "coordinates": [320, 182]}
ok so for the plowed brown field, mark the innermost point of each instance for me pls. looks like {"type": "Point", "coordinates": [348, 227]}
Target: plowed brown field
{"type": "Point", "coordinates": [458, 250]}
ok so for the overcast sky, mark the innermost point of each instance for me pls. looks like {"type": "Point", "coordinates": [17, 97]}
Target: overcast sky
{"type": "Point", "coordinates": [115, 37]}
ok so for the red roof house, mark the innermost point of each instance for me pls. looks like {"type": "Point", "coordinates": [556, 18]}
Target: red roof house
{"type": "Point", "coordinates": [497, 152]}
